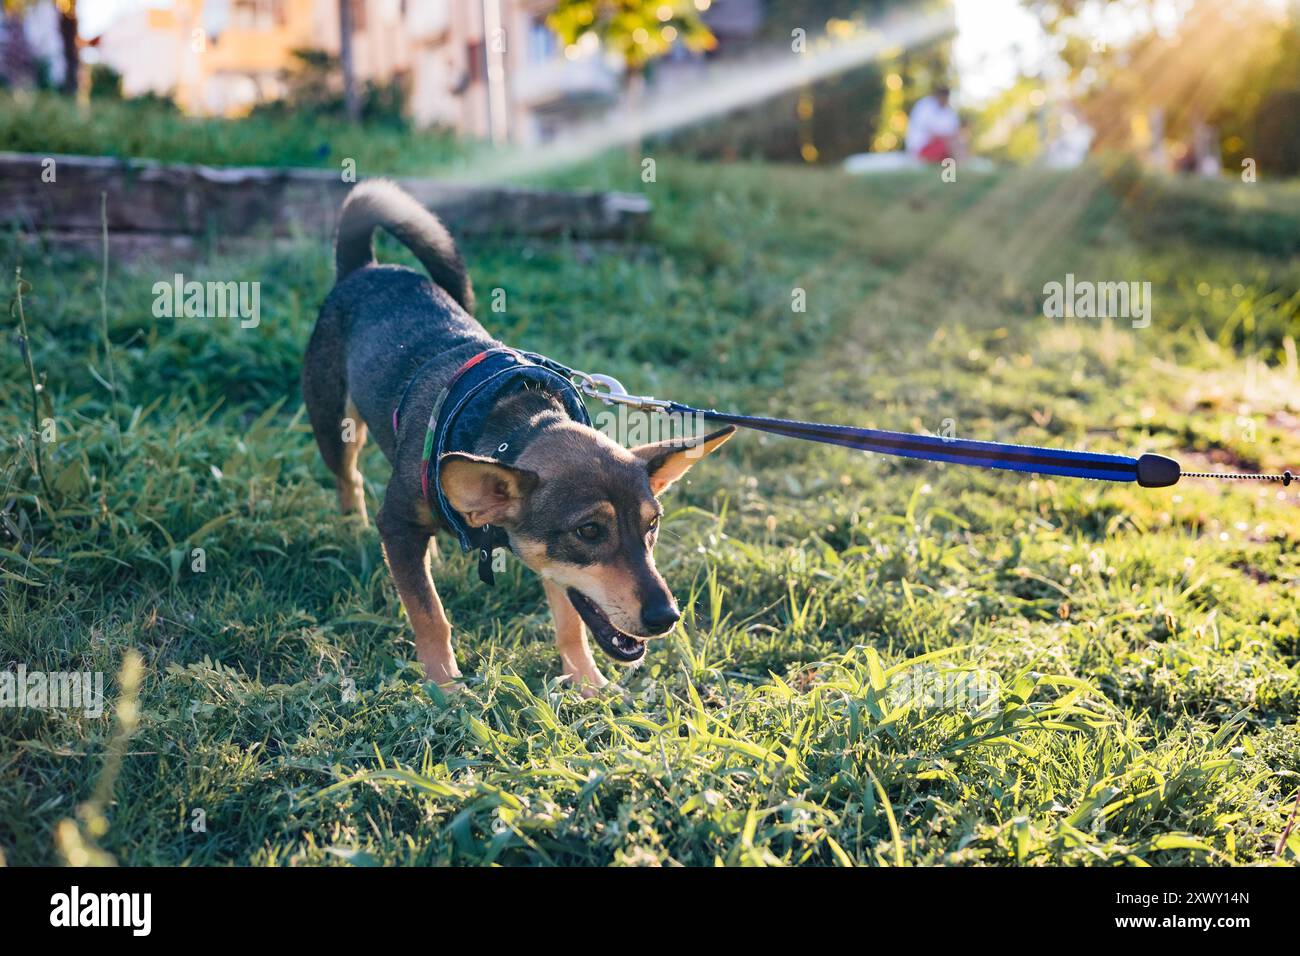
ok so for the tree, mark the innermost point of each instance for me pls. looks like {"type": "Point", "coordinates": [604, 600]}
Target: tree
{"type": "Point", "coordinates": [1226, 65]}
{"type": "Point", "coordinates": [67, 10]}
{"type": "Point", "coordinates": [638, 30]}
{"type": "Point", "coordinates": [351, 102]}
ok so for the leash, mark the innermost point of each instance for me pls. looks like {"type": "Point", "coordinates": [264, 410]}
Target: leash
{"type": "Point", "coordinates": [1149, 470]}
{"type": "Point", "coordinates": [473, 388]}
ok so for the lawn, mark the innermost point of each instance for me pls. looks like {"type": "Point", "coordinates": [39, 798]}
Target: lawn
{"type": "Point", "coordinates": [1141, 645]}
{"type": "Point", "coordinates": [47, 124]}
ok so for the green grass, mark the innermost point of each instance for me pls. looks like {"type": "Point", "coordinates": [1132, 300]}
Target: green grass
{"type": "Point", "coordinates": [1144, 642]}
{"type": "Point", "coordinates": [49, 124]}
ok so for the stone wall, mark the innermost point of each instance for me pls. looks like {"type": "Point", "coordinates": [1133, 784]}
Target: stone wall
{"type": "Point", "coordinates": [178, 208]}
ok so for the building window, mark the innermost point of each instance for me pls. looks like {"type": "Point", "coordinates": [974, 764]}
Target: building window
{"type": "Point", "coordinates": [255, 15]}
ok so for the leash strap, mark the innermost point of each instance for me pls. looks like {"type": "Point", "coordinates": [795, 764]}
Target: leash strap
{"type": "Point", "coordinates": [1150, 471]}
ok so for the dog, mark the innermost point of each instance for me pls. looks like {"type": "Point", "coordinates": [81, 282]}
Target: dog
{"type": "Point", "coordinates": [389, 347]}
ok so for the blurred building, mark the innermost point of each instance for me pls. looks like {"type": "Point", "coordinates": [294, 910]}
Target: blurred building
{"type": "Point", "coordinates": [485, 68]}
{"type": "Point", "coordinates": [31, 46]}
{"type": "Point", "coordinates": [221, 56]}
{"type": "Point", "coordinates": [492, 68]}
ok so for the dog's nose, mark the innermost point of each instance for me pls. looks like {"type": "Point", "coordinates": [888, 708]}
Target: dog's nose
{"type": "Point", "coordinates": [659, 617]}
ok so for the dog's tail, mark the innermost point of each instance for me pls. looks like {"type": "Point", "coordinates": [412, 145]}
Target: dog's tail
{"type": "Point", "coordinates": [379, 202]}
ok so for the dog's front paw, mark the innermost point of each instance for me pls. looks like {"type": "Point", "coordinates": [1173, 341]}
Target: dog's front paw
{"type": "Point", "coordinates": [452, 688]}
{"type": "Point", "coordinates": [589, 685]}
{"type": "Point", "coordinates": [439, 667]}
{"type": "Point", "coordinates": [441, 687]}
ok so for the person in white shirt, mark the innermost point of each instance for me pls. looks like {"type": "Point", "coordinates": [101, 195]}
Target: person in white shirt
{"type": "Point", "coordinates": [933, 128]}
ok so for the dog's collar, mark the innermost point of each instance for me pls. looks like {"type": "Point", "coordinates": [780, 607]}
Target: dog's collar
{"type": "Point", "coordinates": [462, 409]}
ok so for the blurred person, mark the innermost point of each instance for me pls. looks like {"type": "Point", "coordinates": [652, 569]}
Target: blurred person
{"type": "Point", "coordinates": [933, 128]}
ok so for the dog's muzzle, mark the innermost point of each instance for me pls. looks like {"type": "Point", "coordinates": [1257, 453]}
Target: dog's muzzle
{"type": "Point", "coordinates": [622, 647]}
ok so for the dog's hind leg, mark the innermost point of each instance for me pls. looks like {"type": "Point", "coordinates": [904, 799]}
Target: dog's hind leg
{"type": "Point", "coordinates": [340, 431]}
{"type": "Point", "coordinates": [351, 485]}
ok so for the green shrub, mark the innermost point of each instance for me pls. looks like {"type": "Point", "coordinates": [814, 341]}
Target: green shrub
{"type": "Point", "coordinates": [315, 89]}
{"type": "Point", "coordinates": [152, 128]}
{"type": "Point", "coordinates": [105, 82]}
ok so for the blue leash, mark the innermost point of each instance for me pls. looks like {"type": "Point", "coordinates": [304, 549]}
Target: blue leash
{"type": "Point", "coordinates": [1149, 471]}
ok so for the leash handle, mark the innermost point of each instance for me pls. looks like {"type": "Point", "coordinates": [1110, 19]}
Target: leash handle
{"type": "Point", "coordinates": [1157, 471]}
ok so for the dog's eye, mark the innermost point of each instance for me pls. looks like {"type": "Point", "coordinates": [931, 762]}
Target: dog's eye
{"type": "Point", "coordinates": [590, 531]}
{"type": "Point", "coordinates": [654, 525]}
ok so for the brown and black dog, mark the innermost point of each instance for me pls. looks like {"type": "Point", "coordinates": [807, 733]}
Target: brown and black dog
{"type": "Point", "coordinates": [576, 507]}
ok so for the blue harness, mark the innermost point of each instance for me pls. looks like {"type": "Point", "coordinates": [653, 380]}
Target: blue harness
{"type": "Point", "coordinates": [458, 418]}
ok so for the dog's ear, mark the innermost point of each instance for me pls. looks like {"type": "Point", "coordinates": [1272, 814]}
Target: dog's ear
{"type": "Point", "coordinates": [668, 460]}
{"type": "Point", "coordinates": [485, 491]}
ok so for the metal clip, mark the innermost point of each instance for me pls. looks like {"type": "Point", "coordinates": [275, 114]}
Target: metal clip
{"type": "Point", "coordinates": [610, 390]}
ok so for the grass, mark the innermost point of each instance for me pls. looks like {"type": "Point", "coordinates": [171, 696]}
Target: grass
{"type": "Point", "coordinates": [49, 123]}
{"type": "Point", "coordinates": [1143, 643]}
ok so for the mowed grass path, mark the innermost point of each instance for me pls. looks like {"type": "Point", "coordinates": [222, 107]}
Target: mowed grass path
{"type": "Point", "coordinates": [1143, 643]}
